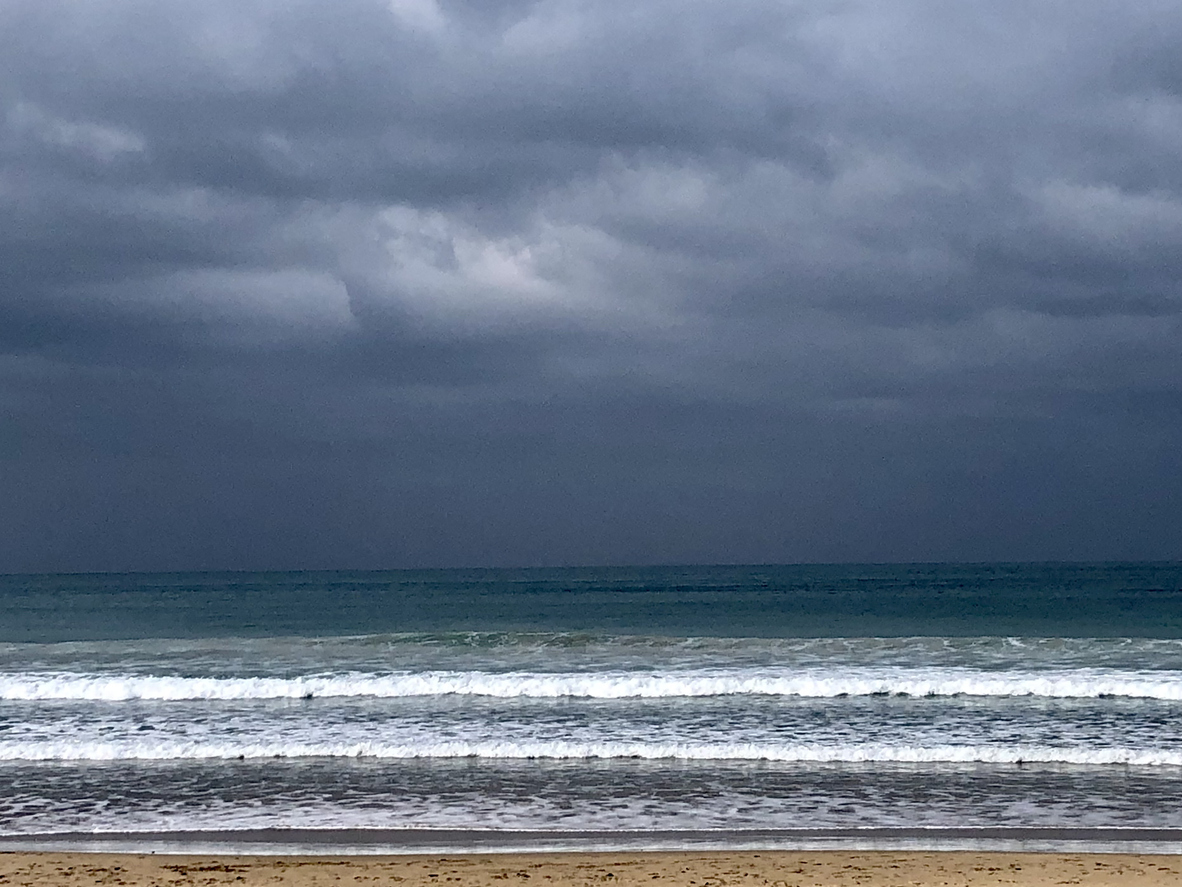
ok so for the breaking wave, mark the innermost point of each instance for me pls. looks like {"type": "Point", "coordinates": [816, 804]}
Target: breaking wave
{"type": "Point", "coordinates": [815, 683]}
{"type": "Point", "coordinates": [177, 750]}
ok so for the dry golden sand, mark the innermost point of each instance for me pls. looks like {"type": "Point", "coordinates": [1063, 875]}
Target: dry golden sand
{"type": "Point", "coordinates": [773, 868]}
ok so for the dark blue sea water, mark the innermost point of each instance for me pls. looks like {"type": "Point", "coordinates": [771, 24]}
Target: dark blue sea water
{"type": "Point", "coordinates": [751, 704]}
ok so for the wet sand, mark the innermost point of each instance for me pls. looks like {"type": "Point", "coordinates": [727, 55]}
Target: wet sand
{"type": "Point", "coordinates": [628, 869]}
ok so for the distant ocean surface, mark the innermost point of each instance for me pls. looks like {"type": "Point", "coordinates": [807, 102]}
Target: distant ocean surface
{"type": "Point", "coordinates": [592, 707]}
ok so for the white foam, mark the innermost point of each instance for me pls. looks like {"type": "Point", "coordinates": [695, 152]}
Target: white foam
{"type": "Point", "coordinates": [181, 750]}
{"type": "Point", "coordinates": [815, 682]}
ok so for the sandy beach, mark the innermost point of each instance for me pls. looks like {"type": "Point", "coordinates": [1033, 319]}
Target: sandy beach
{"type": "Point", "coordinates": [779, 869]}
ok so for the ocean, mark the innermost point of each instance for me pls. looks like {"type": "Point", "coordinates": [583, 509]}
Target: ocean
{"type": "Point", "coordinates": [1028, 705]}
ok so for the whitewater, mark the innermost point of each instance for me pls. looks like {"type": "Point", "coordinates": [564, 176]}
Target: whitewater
{"type": "Point", "coordinates": [739, 752]}
{"type": "Point", "coordinates": [819, 683]}
{"type": "Point", "coordinates": [593, 701]}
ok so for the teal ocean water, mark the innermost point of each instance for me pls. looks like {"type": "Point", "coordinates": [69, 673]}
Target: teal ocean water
{"type": "Point", "coordinates": [615, 706]}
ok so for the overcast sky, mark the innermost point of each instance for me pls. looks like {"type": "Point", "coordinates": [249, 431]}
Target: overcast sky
{"type": "Point", "coordinates": [384, 283]}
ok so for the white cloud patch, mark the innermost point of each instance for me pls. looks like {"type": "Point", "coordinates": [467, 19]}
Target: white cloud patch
{"type": "Point", "coordinates": [424, 16]}
{"type": "Point", "coordinates": [549, 29]}
{"type": "Point", "coordinates": [1109, 218]}
{"type": "Point", "coordinates": [445, 271]}
{"type": "Point", "coordinates": [97, 141]}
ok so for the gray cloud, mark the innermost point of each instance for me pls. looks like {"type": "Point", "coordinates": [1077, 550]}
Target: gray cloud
{"type": "Point", "coordinates": [419, 282]}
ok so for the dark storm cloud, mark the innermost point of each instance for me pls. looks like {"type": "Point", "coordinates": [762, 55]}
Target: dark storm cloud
{"type": "Point", "coordinates": [374, 283]}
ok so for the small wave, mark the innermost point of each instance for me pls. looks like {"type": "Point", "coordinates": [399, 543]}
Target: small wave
{"type": "Point", "coordinates": [816, 683]}
{"type": "Point", "coordinates": [562, 750]}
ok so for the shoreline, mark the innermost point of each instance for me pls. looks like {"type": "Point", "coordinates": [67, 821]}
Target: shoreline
{"type": "Point", "coordinates": [272, 842]}
{"type": "Point", "coordinates": [621, 869]}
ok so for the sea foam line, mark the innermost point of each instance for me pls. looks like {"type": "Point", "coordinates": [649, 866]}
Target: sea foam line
{"type": "Point", "coordinates": [30, 751]}
{"type": "Point", "coordinates": [816, 683]}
